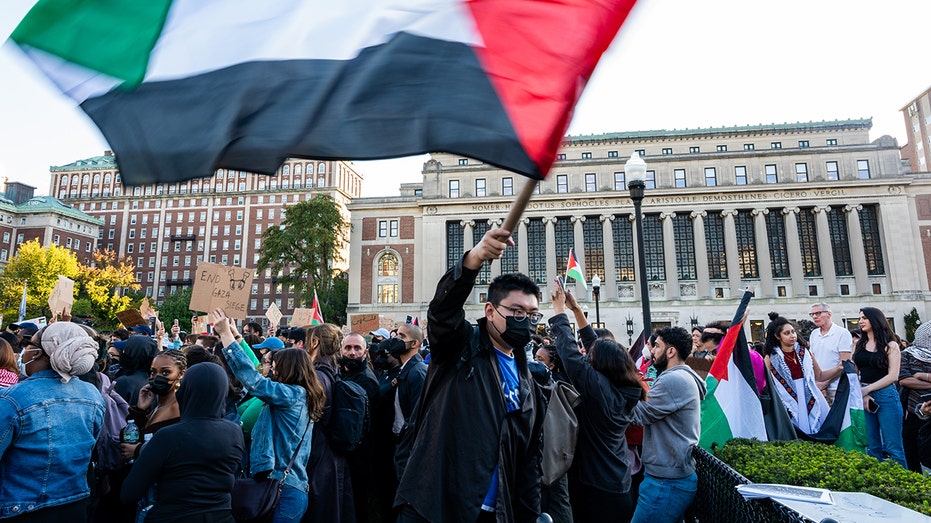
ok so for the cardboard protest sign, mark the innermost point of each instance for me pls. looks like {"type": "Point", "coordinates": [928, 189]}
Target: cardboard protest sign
{"type": "Point", "coordinates": [62, 296]}
{"type": "Point", "coordinates": [302, 317]}
{"type": "Point", "coordinates": [364, 323]}
{"type": "Point", "coordinates": [273, 314]}
{"type": "Point", "coordinates": [220, 286]}
{"type": "Point", "coordinates": [130, 318]}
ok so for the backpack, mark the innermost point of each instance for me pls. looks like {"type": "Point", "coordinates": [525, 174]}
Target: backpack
{"type": "Point", "coordinates": [560, 431]}
{"type": "Point", "coordinates": [349, 413]}
{"type": "Point", "coordinates": [114, 420]}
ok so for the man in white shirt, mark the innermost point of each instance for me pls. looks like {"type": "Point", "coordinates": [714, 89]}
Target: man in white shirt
{"type": "Point", "coordinates": [830, 343]}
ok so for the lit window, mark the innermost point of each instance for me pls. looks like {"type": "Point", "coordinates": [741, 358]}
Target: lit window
{"type": "Point", "coordinates": [667, 150]}
{"type": "Point", "coordinates": [722, 148]}
{"type": "Point", "coordinates": [463, 161]}
{"type": "Point", "coordinates": [831, 141]}
{"type": "Point", "coordinates": [694, 149]}
{"type": "Point", "coordinates": [803, 143]}
{"type": "Point", "coordinates": [776, 145]}
{"type": "Point", "coordinates": [749, 147]}
{"type": "Point", "coordinates": [586, 156]}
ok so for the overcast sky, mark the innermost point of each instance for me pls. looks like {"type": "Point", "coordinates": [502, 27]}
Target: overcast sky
{"type": "Point", "coordinates": [676, 64]}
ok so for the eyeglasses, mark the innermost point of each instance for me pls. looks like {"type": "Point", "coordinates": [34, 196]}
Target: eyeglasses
{"type": "Point", "coordinates": [816, 313]}
{"type": "Point", "coordinates": [521, 315]}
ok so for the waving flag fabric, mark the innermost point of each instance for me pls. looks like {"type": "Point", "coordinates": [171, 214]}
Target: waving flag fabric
{"type": "Point", "coordinates": [182, 87]}
{"type": "Point", "coordinates": [845, 424]}
{"type": "Point", "coordinates": [317, 316]}
{"type": "Point", "coordinates": [731, 408]}
{"type": "Point", "coordinates": [22, 305]}
{"type": "Point", "coordinates": [574, 270]}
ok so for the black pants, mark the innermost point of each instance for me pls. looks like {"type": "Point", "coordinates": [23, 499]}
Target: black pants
{"type": "Point", "coordinates": [910, 426]}
{"type": "Point", "coordinates": [591, 504]}
{"type": "Point", "coordinates": [72, 512]}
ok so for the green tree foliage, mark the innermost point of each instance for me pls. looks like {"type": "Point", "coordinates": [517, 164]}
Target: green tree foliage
{"type": "Point", "coordinates": [912, 322]}
{"type": "Point", "coordinates": [101, 284]}
{"type": "Point", "coordinates": [334, 300]}
{"type": "Point", "coordinates": [38, 267]}
{"type": "Point", "coordinates": [303, 250]}
{"type": "Point", "coordinates": [176, 306]}
{"type": "Point", "coordinates": [809, 464]}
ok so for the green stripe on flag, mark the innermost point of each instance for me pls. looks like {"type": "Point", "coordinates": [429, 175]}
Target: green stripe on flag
{"type": "Point", "coordinates": [114, 37]}
{"type": "Point", "coordinates": [714, 425]}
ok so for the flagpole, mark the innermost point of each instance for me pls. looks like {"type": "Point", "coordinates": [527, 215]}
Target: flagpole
{"type": "Point", "coordinates": [519, 205]}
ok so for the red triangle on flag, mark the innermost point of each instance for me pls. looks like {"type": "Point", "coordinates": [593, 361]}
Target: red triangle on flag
{"type": "Point", "coordinates": [539, 56]}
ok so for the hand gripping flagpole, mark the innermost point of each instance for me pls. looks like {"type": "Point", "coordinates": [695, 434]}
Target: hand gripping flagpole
{"type": "Point", "coordinates": [519, 205]}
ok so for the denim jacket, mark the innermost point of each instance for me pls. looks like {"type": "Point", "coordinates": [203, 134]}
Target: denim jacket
{"type": "Point", "coordinates": [47, 432]}
{"type": "Point", "coordinates": [280, 425]}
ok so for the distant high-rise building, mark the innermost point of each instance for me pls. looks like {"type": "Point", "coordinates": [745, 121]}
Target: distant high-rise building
{"type": "Point", "coordinates": [168, 228]}
{"type": "Point", "coordinates": [917, 115]}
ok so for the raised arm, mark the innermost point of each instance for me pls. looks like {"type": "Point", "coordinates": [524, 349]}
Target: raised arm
{"type": "Point", "coordinates": [446, 317]}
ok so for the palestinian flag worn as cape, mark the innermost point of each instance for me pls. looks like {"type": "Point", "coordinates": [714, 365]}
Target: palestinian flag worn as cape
{"type": "Point", "coordinates": [180, 88]}
{"type": "Point", "coordinates": [731, 408]}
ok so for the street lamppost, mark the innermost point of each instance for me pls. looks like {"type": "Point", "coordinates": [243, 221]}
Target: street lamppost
{"type": "Point", "coordinates": [596, 293]}
{"type": "Point", "coordinates": [630, 329]}
{"type": "Point", "coordinates": [636, 170]}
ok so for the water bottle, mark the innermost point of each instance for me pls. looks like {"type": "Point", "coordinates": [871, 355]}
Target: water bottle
{"type": "Point", "coordinates": [130, 434]}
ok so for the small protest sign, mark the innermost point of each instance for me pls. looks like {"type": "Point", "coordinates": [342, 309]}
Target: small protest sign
{"type": "Point", "coordinates": [273, 314]}
{"type": "Point", "coordinates": [364, 323]}
{"type": "Point", "coordinates": [130, 318]}
{"type": "Point", "coordinates": [220, 286]}
{"type": "Point", "coordinates": [302, 317]}
{"type": "Point", "coordinates": [62, 295]}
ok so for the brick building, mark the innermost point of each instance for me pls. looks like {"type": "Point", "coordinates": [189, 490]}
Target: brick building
{"type": "Point", "coordinates": [168, 228]}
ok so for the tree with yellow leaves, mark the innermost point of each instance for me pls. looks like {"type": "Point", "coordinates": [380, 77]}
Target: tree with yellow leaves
{"type": "Point", "coordinates": [103, 283]}
{"type": "Point", "coordinates": [38, 267]}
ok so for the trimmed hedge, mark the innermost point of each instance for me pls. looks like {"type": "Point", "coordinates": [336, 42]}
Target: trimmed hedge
{"type": "Point", "coordinates": [808, 464]}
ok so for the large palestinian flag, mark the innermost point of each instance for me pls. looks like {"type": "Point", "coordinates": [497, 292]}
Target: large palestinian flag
{"type": "Point", "coordinates": [182, 87]}
{"type": "Point", "coordinates": [845, 424]}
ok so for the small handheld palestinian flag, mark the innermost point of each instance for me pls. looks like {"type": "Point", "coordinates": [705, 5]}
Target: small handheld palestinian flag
{"type": "Point", "coordinates": [574, 270]}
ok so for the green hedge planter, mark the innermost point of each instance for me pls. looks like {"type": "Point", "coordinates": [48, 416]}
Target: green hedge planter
{"type": "Point", "coordinates": [810, 464]}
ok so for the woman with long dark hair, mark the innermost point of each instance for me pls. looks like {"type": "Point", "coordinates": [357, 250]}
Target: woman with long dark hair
{"type": "Point", "coordinates": [610, 388]}
{"type": "Point", "coordinates": [795, 374]}
{"type": "Point", "coordinates": [878, 357]}
{"type": "Point", "coordinates": [294, 400]}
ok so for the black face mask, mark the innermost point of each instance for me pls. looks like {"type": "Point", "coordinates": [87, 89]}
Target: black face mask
{"type": "Point", "coordinates": [381, 361]}
{"type": "Point", "coordinates": [517, 333]}
{"type": "Point", "coordinates": [352, 364]}
{"type": "Point", "coordinates": [160, 385]}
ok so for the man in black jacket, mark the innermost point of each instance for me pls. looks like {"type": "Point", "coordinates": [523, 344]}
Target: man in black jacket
{"type": "Point", "coordinates": [413, 373]}
{"type": "Point", "coordinates": [354, 366]}
{"type": "Point", "coordinates": [474, 451]}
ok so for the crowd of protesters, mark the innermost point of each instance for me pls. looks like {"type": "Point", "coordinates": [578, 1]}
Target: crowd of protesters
{"type": "Point", "coordinates": [455, 418]}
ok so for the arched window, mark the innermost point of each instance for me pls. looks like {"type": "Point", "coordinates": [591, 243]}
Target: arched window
{"type": "Point", "coordinates": [74, 180]}
{"type": "Point", "coordinates": [106, 178]}
{"type": "Point", "coordinates": [286, 169]}
{"type": "Point", "coordinates": [297, 169]}
{"type": "Point", "coordinates": [321, 168]}
{"type": "Point", "coordinates": [388, 290]}
{"type": "Point", "coordinates": [85, 179]}
{"type": "Point", "coordinates": [64, 181]}
{"type": "Point", "coordinates": [321, 181]}
{"type": "Point", "coordinates": [97, 178]}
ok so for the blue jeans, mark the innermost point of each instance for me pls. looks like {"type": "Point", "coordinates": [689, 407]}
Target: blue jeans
{"type": "Point", "coordinates": [292, 505]}
{"type": "Point", "coordinates": [664, 500]}
{"type": "Point", "coordinates": [884, 428]}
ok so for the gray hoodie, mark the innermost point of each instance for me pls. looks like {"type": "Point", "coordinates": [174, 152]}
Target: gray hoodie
{"type": "Point", "coordinates": [671, 419]}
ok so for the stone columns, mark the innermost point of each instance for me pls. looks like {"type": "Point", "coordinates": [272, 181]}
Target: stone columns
{"type": "Point", "coordinates": [669, 256]}
{"type": "Point", "coordinates": [855, 239]}
{"type": "Point", "coordinates": [701, 254]}
{"type": "Point", "coordinates": [551, 270]}
{"type": "Point", "coordinates": [609, 283]}
{"type": "Point", "coordinates": [495, 223]}
{"type": "Point", "coordinates": [730, 251]}
{"type": "Point", "coordinates": [794, 249]}
{"type": "Point", "coordinates": [467, 241]}
{"type": "Point", "coordinates": [825, 250]}
{"type": "Point", "coordinates": [523, 253]}
{"type": "Point", "coordinates": [763, 261]}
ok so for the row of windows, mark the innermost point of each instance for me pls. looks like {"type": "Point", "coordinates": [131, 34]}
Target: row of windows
{"type": "Point", "coordinates": [802, 144]}
{"type": "Point", "coordinates": [684, 240]}
{"type": "Point", "coordinates": [273, 185]}
{"type": "Point", "coordinates": [831, 172]}
{"type": "Point", "coordinates": [107, 177]}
